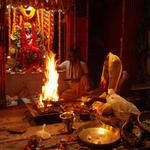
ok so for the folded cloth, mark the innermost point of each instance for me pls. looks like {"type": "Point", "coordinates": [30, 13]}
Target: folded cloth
{"type": "Point", "coordinates": [120, 106]}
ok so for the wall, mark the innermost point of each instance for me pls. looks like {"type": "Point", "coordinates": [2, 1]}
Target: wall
{"type": "Point", "coordinates": [106, 30]}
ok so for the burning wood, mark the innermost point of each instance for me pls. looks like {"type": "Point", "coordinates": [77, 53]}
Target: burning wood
{"type": "Point", "coordinates": [50, 89]}
{"type": "Point", "coordinates": [48, 101]}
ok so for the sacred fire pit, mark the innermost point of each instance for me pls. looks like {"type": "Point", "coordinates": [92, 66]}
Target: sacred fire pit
{"type": "Point", "coordinates": [49, 104]}
{"type": "Point", "coordinates": [51, 113]}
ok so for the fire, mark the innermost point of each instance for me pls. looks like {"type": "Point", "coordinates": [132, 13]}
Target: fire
{"type": "Point", "coordinates": [50, 88]}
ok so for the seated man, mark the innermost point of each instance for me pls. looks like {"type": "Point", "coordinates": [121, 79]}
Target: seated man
{"type": "Point", "coordinates": [112, 70]}
{"type": "Point", "coordinates": [117, 110]}
{"type": "Point", "coordinates": [76, 75]}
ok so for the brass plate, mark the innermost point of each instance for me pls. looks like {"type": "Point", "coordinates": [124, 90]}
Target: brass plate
{"type": "Point", "coordinates": [99, 136]}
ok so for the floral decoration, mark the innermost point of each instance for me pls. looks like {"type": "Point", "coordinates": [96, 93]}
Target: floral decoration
{"type": "Point", "coordinates": [27, 53]}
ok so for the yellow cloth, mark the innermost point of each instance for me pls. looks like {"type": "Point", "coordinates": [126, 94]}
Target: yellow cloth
{"type": "Point", "coordinates": [111, 73]}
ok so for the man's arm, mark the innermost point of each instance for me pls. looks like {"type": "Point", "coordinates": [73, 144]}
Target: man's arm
{"type": "Point", "coordinates": [62, 65]}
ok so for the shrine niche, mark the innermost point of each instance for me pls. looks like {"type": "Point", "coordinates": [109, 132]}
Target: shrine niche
{"type": "Point", "coordinates": [30, 29]}
{"type": "Point", "coordinates": [34, 29]}
{"type": "Point", "coordinates": [26, 37]}
{"type": "Point", "coordinates": [27, 46]}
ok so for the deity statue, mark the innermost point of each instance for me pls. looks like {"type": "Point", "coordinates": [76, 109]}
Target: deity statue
{"type": "Point", "coordinates": [28, 45]}
{"type": "Point", "coordinates": [29, 36]}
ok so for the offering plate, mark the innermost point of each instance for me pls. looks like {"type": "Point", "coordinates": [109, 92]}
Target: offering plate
{"type": "Point", "coordinates": [101, 136]}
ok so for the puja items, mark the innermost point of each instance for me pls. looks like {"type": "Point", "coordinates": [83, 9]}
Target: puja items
{"type": "Point", "coordinates": [34, 143]}
{"type": "Point", "coordinates": [144, 121]}
{"type": "Point", "coordinates": [68, 118]}
{"type": "Point", "coordinates": [131, 132]}
{"type": "Point", "coordinates": [47, 107]}
{"type": "Point", "coordinates": [99, 135]}
{"type": "Point", "coordinates": [43, 134]}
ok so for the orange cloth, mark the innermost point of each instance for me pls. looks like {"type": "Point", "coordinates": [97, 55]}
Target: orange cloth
{"type": "Point", "coordinates": [111, 73]}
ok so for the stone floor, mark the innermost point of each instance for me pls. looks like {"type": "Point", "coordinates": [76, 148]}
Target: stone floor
{"type": "Point", "coordinates": [16, 128]}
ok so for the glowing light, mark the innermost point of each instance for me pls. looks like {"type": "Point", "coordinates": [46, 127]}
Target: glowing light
{"type": "Point", "coordinates": [29, 8]}
{"type": "Point", "coordinates": [102, 131]}
{"type": "Point", "coordinates": [50, 89]}
{"type": "Point", "coordinates": [82, 103]}
{"type": "Point", "coordinates": [8, 57]}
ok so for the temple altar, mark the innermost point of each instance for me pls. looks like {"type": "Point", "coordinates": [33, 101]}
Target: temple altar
{"type": "Point", "coordinates": [28, 84]}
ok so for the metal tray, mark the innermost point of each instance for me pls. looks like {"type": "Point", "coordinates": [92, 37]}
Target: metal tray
{"type": "Point", "coordinates": [99, 136]}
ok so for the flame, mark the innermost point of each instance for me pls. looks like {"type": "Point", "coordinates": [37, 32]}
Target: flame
{"type": "Point", "coordinates": [50, 88]}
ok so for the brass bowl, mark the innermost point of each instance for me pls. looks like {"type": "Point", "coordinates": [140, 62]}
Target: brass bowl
{"type": "Point", "coordinates": [68, 118]}
{"type": "Point", "coordinates": [102, 136]}
{"type": "Point", "coordinates": [144, 121]}
{"type": "Point", "coordinates": [67, 115]}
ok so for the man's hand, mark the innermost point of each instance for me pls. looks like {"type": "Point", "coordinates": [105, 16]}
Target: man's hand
{"type": "Point", "coordinates": [103, 84]}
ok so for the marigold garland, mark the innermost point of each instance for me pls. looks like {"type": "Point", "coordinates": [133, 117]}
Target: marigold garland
{"type": "Point", "coordinates": [38, 18]}
{"type": "Point", "coordinates": [49, 29]}
{"type": "Point", "coordinates": [14, 19]}
{"type": "Point", "coordinates": [42, 23]}
{"type": "Point", "coordinates": [25, 14]}
{"type": "Point", "coordinates": [59, 34]}
{"type": "Point", "coordinates": [9, 24]}
{"type": "Point", "coordinates": [20, 23]}
{"type": "Point", "coordinates": [52, 28]}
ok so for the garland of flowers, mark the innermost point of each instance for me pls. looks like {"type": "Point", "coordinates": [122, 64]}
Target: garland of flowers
{"type": "Point", "coordinates": [24, 13]}
{"type": "Point", "coordinates": [20, 23]}
{"type": "Point", "coordinates": [23, 36]}
{"type": "Point", "coordinates": [52, 28]}
{"type": "Point", "coordinates": [49, 29]}
{"type": "Point", "coordinates": [19, 40]}
{"type": "Point", "coordinates": [42, 23]}
{"type": "Point", "coordinates": [27, 51]}
{"type": "Point", "coordinates": [59, 34]}
{"type": "Point", "coordinates": [38, 18]}
{"type": "Point", "coordinates": [14, 19]}
{"type": "Point", "coordinates": [9, 25]}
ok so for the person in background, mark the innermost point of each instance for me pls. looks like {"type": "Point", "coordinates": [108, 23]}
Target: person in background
{"type": "Point", "coordinates": [76, 75]}
{"type": "Point", "coordinates": [111, 74]}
